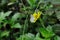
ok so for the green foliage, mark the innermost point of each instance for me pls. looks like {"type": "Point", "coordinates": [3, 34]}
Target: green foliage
{"type": "Point", "coordinates": [17, 25]}
{"type": "Point", "coordinates": [45, 33]}
{"type": "Point", "coordinates": [3, 2]}
{"type": "Point", "coordinates": [15, 20]}
{"type": "Point", "coordinates": [38, 37]}
{"type": "Point", "coordinates": [3, 15]}
{"type": "Point", "coordinates": [56, 38]}
{"type": "Point", "coordinates": [58, 15]}
{"type": "Point", "coordinates": [56, 28]}
{"type": "Point", "coordinates": [12, 0]}
{"type": "Point", "coordinates": [28, 36]}
{"type": "Point", "coordinates": [4, 33]}
{"type": "Point", "coordinates": [32, 2]}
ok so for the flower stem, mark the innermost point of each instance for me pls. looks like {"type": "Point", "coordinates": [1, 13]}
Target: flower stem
{"type": "Point", "coordinates": [24, 26]}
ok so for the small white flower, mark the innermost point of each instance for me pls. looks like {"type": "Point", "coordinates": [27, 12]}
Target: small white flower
{"type": "Point", "coordinates": [31, 18]}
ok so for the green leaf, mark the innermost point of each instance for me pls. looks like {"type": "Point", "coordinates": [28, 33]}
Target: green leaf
{"type": "Point", "coordinates": [58, 15]}
{"type": "Point", "coordinates": [3, 15]}
{"type": "Point", "coordinates": [4, 33]}
{"type": "Point", "coordinates": [17, 25]}
{"type": "Point", "coordinates": [3, 2]}
{"type": "Point", "coordinates": [31, 2]}
{"type": "Point", "coordinates": [7, 13]}
{"type": "Point", "coordinates": [49, 28]}
{"type": "Point", "coordinates": [46, 33]}
{"type": "Point", "coordinates": [56, 38]}
{"type": "Point", "coordinates": [28, 36]}
{"type": "Point", "coordinates": [47, 39]}
{"type": "Point", "coordinates": [38, 37]}
{"type": "Point", "coordinates": [10, 3]}
{"type": "Point", "coordinates": [14, 17]}
{"type": "Point", "coordinates": [56, 28]}
{"type": "Point", "coordinates": [49, 12]}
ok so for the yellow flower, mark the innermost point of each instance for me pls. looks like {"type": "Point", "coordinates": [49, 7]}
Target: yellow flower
{"type": "Point", "coordinates": [35, 16]}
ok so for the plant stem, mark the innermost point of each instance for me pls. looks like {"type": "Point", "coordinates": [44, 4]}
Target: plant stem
{"type": "Point", "coordinates": [0, 31]}
{"type": "Point", "coordinates": [24, 22]}
{"type": "Point", "coordinates": [24, 26]}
